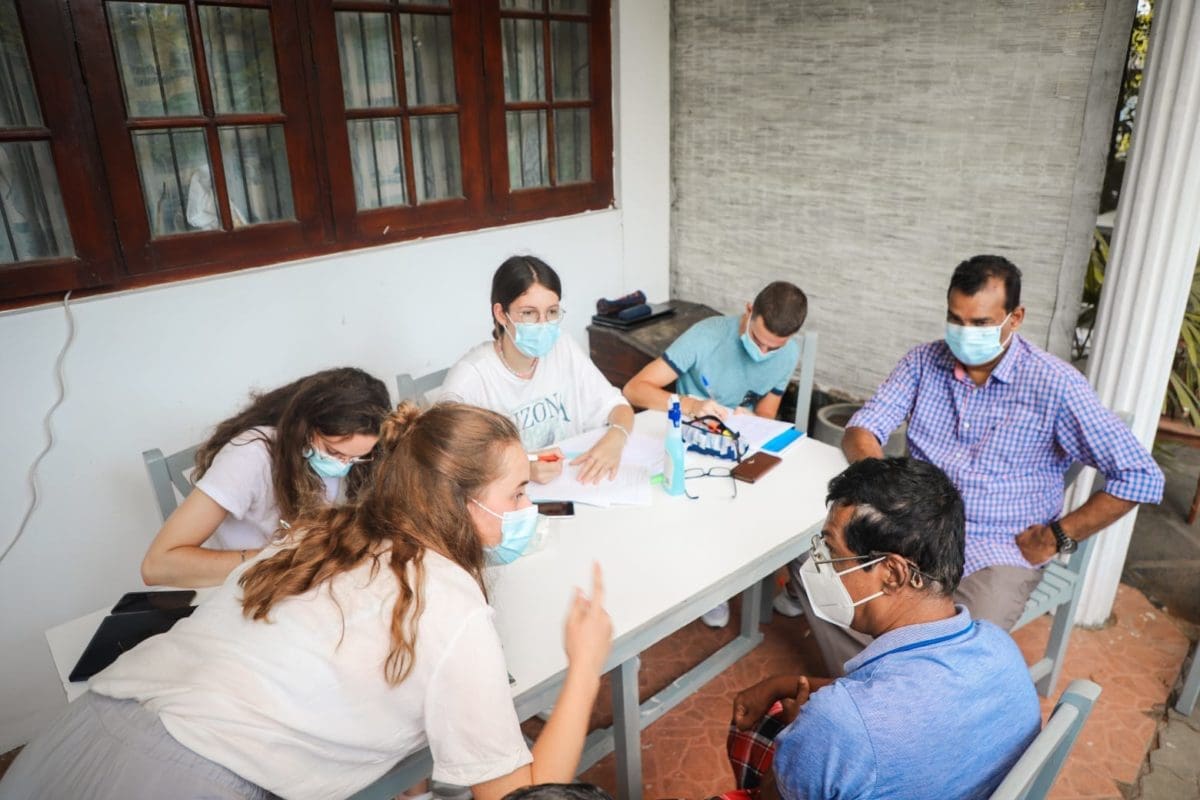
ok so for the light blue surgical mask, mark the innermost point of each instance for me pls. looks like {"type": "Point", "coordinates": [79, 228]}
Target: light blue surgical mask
{"type": "Point", "coordinates": [752, 350]}
{"type": "Point", "coordinates": [974, 345]}
{"type": "Point", "coordinates": [535, 339]}
{"type": "Point", "coordinates": [326, 465]}
{"type": "Point", "coordinates": [516, 531]}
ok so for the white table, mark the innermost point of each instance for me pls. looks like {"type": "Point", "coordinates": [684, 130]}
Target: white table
{"type": "Point", "coordinates": [663, 566]}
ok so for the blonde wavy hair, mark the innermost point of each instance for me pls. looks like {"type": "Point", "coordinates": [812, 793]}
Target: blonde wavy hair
{"type": "Point", "coordinates": [431, 464]}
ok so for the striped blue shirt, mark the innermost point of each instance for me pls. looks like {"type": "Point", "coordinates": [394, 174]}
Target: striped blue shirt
{"type": "Point", "coordinates": [1007, 444]}
{"type": "Point", "coordinates": [938, 710]}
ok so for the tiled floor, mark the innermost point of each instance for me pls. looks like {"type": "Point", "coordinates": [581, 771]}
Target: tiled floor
{"type": "Point", "coordinates": [1136, 660]}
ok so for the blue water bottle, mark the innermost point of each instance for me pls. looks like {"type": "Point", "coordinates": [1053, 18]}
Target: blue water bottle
{"type": "Point", "coordinates": [673, 466]}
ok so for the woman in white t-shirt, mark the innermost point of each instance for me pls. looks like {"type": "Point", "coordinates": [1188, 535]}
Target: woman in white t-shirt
{"type": "Point", "coordinates": [545, 383]}
{"type": "Point", "coordinates": [307, 443]}
{"type": "Point", "coordinates": [361, 638]}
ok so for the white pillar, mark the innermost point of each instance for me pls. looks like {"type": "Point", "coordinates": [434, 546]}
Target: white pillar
{"type": "Point", "coordinates": [1153, 255]}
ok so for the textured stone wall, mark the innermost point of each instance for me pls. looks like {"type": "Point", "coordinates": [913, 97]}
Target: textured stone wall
{"type": "Point", "coordinates": [862, 149]}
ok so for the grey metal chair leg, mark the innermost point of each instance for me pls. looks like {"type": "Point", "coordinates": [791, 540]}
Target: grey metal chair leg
{"type": "Point", "coordinates": [627, 729]}
{"type": "Point", "coordinates": [1186, 703]}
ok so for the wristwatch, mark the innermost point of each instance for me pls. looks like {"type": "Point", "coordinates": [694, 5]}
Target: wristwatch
{"type": "Point", "coordinates": [1065, 543]}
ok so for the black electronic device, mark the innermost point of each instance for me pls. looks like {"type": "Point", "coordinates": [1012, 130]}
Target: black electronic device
{"type": "Point", "coordinates": [563, 508]}
{"type": "Point", "coordinates": [120, 632]}
{"type": "Point", "coordinates": [134, 602]}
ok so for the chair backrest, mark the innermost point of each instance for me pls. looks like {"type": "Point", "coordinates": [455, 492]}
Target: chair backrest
{"type": "Point", "coordinates": [1034, 773]}
{"type": "Point", "coordinates": [416, 389]}
{"type": "Point", "coordinates": [804, 377]}
{"type": "Point", "coordinates": [169, 474]}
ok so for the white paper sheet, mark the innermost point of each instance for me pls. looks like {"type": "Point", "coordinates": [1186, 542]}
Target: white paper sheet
{"type": "Point", "coordinates": [755, 430]}
{"type": "Point", "coordinates": [631, 487]}
{"type": "Point", "coordinates": [640, 451]}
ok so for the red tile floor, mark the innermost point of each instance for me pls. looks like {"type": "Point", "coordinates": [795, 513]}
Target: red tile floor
{"type": "Point", "coordinates": [1135, 659]}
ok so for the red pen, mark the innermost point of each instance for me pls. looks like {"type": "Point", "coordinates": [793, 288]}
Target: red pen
{"type": "Point", "coordinates": [551, 457]}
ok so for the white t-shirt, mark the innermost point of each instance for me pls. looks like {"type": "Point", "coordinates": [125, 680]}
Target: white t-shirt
{"type": "Point", "coordinates": [299, 704]}
{"type": "Point", "coordinates": [239, 480]}
{"type": "Point", "coordinates": [566, 396]}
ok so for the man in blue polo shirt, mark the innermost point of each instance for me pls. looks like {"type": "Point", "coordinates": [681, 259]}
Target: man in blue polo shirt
{"type": "Point", "coordinates": [723, 364]}
{"type": "Point", "coordinates": [937, 705]}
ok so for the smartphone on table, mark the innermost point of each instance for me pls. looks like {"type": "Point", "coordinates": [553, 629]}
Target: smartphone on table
{"type": "Point", "coordinates": [558, 508]}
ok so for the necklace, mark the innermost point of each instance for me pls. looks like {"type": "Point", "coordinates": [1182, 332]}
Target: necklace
{"type": "Point", "coordinates": [522, 375]}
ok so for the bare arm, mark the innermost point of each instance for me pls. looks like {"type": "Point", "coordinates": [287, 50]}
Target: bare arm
{"type": "Point", "coordinates": [645, 390]}
{"type": "Point", "coordinates": [768, 405]}
{"type": "Point", "coordinates": [1102, 509]}
{"type": "Point", "coordinates": [860, 443]}
{"type": "Point", "coordinates": [175, 557]}
{"type": "Point", "coordinates": [557, 750]}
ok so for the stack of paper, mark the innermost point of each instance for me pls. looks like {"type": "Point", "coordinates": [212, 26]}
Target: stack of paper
{"type": "Point", "coordinates": [641, 459]}
{"type": "Point", "coordinates": [755, 430]}
{"type": "Point", "coordinates": [631, 487]}
{"type": "Point", "coordinates": [640, 451]}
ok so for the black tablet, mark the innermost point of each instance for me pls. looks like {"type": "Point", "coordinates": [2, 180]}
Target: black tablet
{"type": "Point", "coordinates": [153, 601]}
{"type": "Point", "coordinates": [121, 632]}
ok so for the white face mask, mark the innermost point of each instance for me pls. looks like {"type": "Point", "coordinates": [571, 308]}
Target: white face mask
{"type": "Point", "coordinates": [823, 584]}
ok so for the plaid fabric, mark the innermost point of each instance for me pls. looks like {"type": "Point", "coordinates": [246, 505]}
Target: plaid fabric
{"type": "Point", "coordinates": [1007, 444]}
{"type": "Point", "coordinates": [751, 753]}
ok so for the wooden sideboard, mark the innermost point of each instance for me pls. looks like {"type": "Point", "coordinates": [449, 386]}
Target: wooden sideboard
{"type": "Point", "coordinates": [620, 354]}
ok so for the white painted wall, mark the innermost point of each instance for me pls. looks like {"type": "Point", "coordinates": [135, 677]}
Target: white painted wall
{"type": "Point", "coordinates": [642, 122]}
{"type": "Point", "coordinates": [157, 367]}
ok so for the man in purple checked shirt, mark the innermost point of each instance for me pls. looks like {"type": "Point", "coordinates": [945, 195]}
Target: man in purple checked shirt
{"type": "Point", "coordinates": [1004, 420]}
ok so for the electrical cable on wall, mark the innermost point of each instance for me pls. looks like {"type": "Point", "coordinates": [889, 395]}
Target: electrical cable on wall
{"type": "Point", "coordinates": [62, 393]}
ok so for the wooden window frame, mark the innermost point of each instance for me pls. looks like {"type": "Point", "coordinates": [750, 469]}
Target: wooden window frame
{"type": "Point", "coordinates": [92, 145]}
{"type": "Point", "coordinates": [546, 200]}
{"type": "Point", "coordinates": [45, 27]}
{"type": "Point", "coordinates": [147, 253]}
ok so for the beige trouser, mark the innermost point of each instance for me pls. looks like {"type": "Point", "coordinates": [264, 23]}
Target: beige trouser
{"type": "Point", "coordinates": [997, 594]}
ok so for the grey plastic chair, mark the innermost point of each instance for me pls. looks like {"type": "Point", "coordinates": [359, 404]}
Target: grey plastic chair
{"type": "Point", "coordinates": [805, 369]}
{"type": "Point", "coordinates": [1191, 686]}
{"type": "Point", "coordinates": [168, 475]}
{"type": "Point", "coordinates": [1034, 773]}
{"type": "Point", "coordinates": [416, 389]}
{"type": "Point", "coordinates": [1058, 594]}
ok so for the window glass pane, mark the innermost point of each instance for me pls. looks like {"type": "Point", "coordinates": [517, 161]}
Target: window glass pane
{"type": "Point", "coordinates": [154, 55]}
{"type": "Point", "coordinates": [437, 166]}
{"type": "Point", "coordinates": [18, 99]}
{"type": "Point", "coordinates": [31, 206]}
{"type": "Point", "coordinates": [428, 59]}
{"type": "Point", "coordinates": [176, 180]}
{"type": "Point", "coordinates": [569, 41]}
{"type": "Point", "coordinates": [573, 145]}
{"type": "Point", "coordinates": [241, 59]}
{"type": "Point", "coordinates": [377, 159]}
{"type": "Point", "coordinates": [524, 70]}
{"type": "Point", "coordinates": [528, 163]}
{"type": "Point", "coordinates": [256, 173]}
{"type": "Point", "coordinates": [365, 48]}
{"type": "Point", "coordinates": [524, 5]}
{"type": "Point", "coordinates": [569, 6]}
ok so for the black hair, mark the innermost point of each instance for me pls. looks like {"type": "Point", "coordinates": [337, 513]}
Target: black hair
{"type": "Point", "coordinates": [782, 306]}
{"type": "Point", "coordinates": [514, 277]}
{"type": "Point", "coordinates": [907, 507]}
{"type": "Point", "coordinates": [558, 791]}
{"type": "Point", "coordinates": [973, 274]}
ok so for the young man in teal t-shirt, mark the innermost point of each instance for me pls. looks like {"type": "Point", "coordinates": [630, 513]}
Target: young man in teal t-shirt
{"type": "Point", "coordinates": [724, 365]}
{"type": "Point", "coordinates": [729, 364]}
